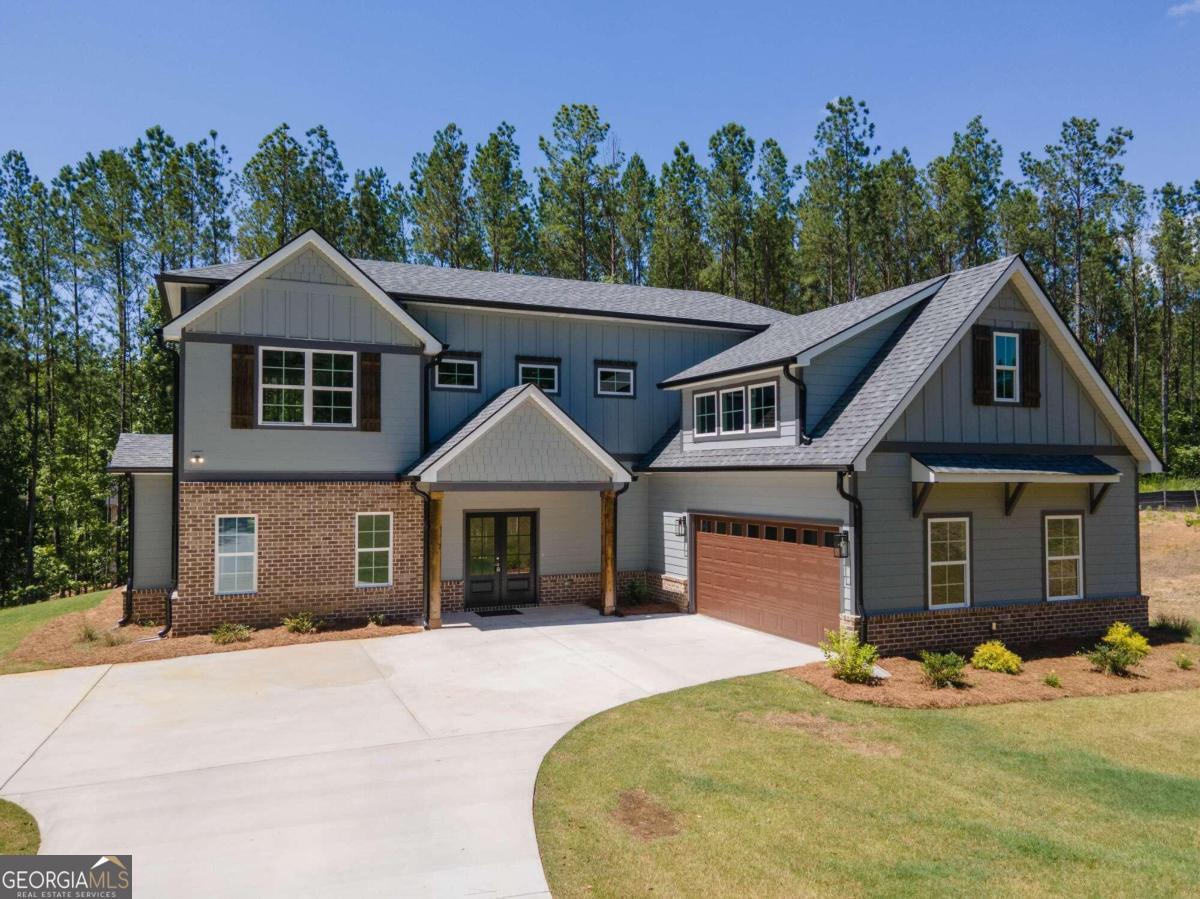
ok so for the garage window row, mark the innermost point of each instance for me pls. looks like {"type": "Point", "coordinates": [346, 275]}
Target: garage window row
{"type": "Point", "coordinates": [756, 530]}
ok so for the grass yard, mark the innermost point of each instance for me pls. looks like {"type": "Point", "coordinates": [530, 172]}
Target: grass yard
{"type": "Point", "coordinates": [764, 786]}
{"type": "Point", "coordinates": [1171, 563]}
{"type": "Point", "coordinates": [19, 621]}
{"type": "Point", "coordinates": [18, 831]}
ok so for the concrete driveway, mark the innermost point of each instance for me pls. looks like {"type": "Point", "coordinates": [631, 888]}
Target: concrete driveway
{"type": "Point", "coordinates": [396, 766]}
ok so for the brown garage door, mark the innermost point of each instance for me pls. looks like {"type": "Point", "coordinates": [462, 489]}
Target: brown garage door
{"type": "Point", "coordinates": [780, 577]}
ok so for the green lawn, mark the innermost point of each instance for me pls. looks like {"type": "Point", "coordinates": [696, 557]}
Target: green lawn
{"type": "Point", "coordinates": [1097, 797]}
{"type": "Point", "coordinates": [18, 621]}
{"type": "Point", "coordinates": [18, 831]}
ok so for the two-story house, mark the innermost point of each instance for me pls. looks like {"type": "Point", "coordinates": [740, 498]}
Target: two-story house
{"type": "Point", "coordinates": [932, 465]}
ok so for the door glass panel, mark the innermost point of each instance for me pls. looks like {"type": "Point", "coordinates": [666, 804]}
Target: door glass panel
{"type": "Point", "coordinates": [519, 544]}
{"type": "Point", "coordinates": [481, 546]}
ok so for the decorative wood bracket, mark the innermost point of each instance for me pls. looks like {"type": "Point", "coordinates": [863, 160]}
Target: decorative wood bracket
{"type": "Point", "coordinates": [1012, 494]}
{"type": "Point", "coordinates": [1095, 498]}
{"type": "Point", "coordinates": [920, 493]}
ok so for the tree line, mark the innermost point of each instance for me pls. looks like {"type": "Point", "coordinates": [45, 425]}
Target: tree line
{"type": "Point", "coordinates": [79, 308]}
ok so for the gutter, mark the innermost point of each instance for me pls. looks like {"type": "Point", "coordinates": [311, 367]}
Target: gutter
{"type": "Point", "coordinates": [426, 387]}
{"type": "Point", "coordinates": [801, 404]}
{"type": "Point", "coordinates": [425, 500]}
{"type": "Point", "coordinates": [857, 521]}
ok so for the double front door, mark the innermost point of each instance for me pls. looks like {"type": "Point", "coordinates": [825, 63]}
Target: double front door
{"type": "Point", "coordinates": [501, 562]}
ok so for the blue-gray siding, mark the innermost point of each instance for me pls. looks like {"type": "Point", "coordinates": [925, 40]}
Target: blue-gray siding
{"type": "Point", "coordinates": [151, 531]}
{"type": "Point", "coordinates": [827, 376]}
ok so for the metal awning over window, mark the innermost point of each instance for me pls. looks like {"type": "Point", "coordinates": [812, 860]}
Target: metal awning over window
{"type": "Point", "coordinates": [991, 468]}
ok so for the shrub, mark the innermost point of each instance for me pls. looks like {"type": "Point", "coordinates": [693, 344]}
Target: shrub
{"type": "Point", "coordinates": [87, 633]}
{"type": "Point", "coordinates": [1184, 661]}
{"type": "Point", "coordinates": [637, 592]}
{"type": "Point", "coordinates": [114, 638]}
{"type": "Point", "coordinates": [1052, 680]}
{"type": "Point", "coordinates": [995, 656]}
{"type": "Point", "coordinates": [379, 619]}
{"type": "Point", "coordinates": [301, 623]}
{"type": "Point", "coordinates": [1177, 627]}
{"type": "Point", "coordinates": [850, 660]}
{"type": "Point", "coordinates": [1111, 658]}
{"type": "Point", "coordinates": [943, 669]}
{"type": "Point", "coordinates": [1122, 635]}
{"type": "Point", "coordinates": [231, 633]}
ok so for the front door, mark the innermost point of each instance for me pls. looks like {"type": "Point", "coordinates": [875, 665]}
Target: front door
{"type": "Point", "coordinates": [501, 559]}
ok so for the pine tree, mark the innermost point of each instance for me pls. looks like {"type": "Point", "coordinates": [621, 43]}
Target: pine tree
{"type": "Point", "coordinates": [569, 194]}
{"type": "Point", "coordinates": [378, 218]}
{"type": "Point", "coordinates": [323, 204]}
{"type": "Point", "coordinates": [678, 254]}
{"type": "Point", "coordinates": [272, 185]}
{"type": "Point", "coordinates": [636, 224]}
{"type": "Point", "coordinates": [502, 197]}
{"type": "Point", "coordinates": [729, 200]}
{"type": "Point", "coordinates": [773, 230]}
{"type": "Point", "coordinates": [445, 220]}
{"type": "Point", "coordinates": [964, 188]}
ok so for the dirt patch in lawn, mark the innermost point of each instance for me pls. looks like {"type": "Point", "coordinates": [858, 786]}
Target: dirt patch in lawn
{"type": "Point", "coordinates": [907, 688]}
{"type": "Point", "coordinates": [848, 736]}
{"type": "Point", "coordinates": [61, 643]}
{"type": "Point", "coordinates": [643, 817]}
{"type": "Point", "coordinates": [1171, 563]}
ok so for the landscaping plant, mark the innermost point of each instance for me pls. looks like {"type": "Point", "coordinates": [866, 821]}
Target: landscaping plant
{"type": "Point", "coordinates": [637, 593]}
{"type": "Point", "coordinates": [231, 633]}
{"type": "Point", "coordinates": [1119, 650]}
{"type": "Point", "coordinates": [1052, 680]}
{"type": "Point", "coordinates": [1184, 661]}
{"type": "Point", "coordinates": [943, 669]}
{"type": "Point", "coordinates": [995, 656]}
{"type": "Point", "coordinates": [1180, 627]}
{"type": "Point", "coordinates": [849, 659]}
{"type": "Point", "coordinates": [301, 623]}
{"type": "Point", "coordinates": [87, 633]}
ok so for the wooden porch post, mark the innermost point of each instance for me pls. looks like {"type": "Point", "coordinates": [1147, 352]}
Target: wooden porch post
{"type": "Point", "coordinates": [608, 552]}
{"type": "Point", "coordinates": [433, 573]}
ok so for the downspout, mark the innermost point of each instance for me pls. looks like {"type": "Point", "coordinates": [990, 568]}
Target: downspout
{"type": "Point", "coordinates": [177, 454]}
{"type": "Point", "coordinates": [425, 500]}
{"type": "Point", "coordinates": [127, 605]}
{"type": "Point", "coordinates": [425, 389]}
{"type": "Point", "coordinates": [857, 521]}
{"type": "Point", "coordinates": [801, 403]}
{"type": "Point", "coordinates": [616, 542]}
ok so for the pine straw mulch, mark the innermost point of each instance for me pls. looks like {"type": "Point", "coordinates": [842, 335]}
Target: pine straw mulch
{"type": "Point", "coordinates": [906, 688]}
{"type": "Point", "coordinates": [59, 643]}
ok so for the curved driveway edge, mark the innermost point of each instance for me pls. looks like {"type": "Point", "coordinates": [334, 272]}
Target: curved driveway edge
{"type": "Point", "coordinates": [395, 766]}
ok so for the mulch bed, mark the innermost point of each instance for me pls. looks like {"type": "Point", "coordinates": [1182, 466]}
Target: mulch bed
{"type": "Point", "coordinates": [906, 688]}
{"type": "Point", "coordinates": [58, 643]}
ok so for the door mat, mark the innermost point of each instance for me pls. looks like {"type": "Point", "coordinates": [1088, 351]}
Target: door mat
{"type": "Point", "coordinates": [492, 613]}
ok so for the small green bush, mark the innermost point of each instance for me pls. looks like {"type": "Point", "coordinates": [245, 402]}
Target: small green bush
{"type": "Point", "coordinates": [301, 623]}
{"type": "Point", "coordinates": [995, 656]}
{"type": "Point", "coordinates": [849, 659]}
{"type": "Point", "coordinates": [1184, 661]}
{"type": "Point", "coordinates": [1119, 650]}
{"type": "Point", "coordinates": [231, 633]}
{"type": "Point", "coordinates": [1052, 680]}
{"type": "Point", "coordinates": [88, 634]}
{"type": "Point", "coordinates": [943, 669]}
{"type": "Point", "coordinates": [636, 593]}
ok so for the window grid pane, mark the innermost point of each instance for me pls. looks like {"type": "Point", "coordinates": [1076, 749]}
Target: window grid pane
{"type": "Point", "coordinates": [456, 373]}
{"type": "Point", "coordinates": [733, 411]}
{"type": "Point", "coordinates": [237, 544]}
{"type": "Point", "coordinates": [1004, 349]}
{"type": "Point", "coordinates": [615, 380]}
{"type": "Point", "coordinates": [543, 376]}
{"type": "Point", "coordinates": [762, 407]}
{"type": "Point", "coordinates": [948, 562]}
{"type": "Point", "coordinates": [706, 414]}
{"type": "Point", "coordinates": [1064, 557]}
{"type": "Point", "coordinates": [374, 549]}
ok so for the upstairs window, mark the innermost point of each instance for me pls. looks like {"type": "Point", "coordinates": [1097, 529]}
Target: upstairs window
{"type": "Point", "coordinates": [542, 373]}
{"type": "Point", "coordinates": [1006, 355]}
{"type": "Point", "coordinates": [456, 373]}
{"type": "Point", "coordinates": [306, 387]}
{"type": "Point", "coordinates": [733, 411]}
{"type": "Point", "coordinates": [614, 379]}
{"type": "Point", "coordinates": [704, 409]}
{"type": "Point", "coordinates": [763, 415]}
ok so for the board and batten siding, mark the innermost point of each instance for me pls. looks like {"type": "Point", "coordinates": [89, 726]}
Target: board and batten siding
{"type": "Point", "coordinates": [152, 523]}
{"type": "Point", "coordinates": [1007, 556]}
{"type": "Point", "coordinates": [622, 426]}
{"type": "Point", "coordinates": [829, 374]}
{"type": "Point", "coordinates": [305, 299]}
{"type": "Point", "coordinates": [945, 411]}
{"type": "Point", "coordinates": [282, 450]}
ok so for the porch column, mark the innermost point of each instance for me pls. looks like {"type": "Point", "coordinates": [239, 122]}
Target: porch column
{"type": "Point", "coordinates": [433, 573]}
{"type": "Point", "coordinates": [608, 552]}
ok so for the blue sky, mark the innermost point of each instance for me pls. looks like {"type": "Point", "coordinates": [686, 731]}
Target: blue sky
{"type": "Point", "coordinates": [79, 76]}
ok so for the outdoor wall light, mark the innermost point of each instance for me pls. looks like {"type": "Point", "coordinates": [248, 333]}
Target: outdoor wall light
{"type": "Point", "coordinates": [197, 457]}
{"type": "Point", "coordinates": [681, 526]}
{"type": "Point", "coordinates": [842, 550]}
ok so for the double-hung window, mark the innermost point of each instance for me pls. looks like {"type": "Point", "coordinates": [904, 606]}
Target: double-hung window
{"type": "Point", "coordinates": [306, 387]}
{"type": "Point", "coordinates": [614, 379]}
{"type": "Point", "coordinates": [1064, 556]}
{"type": "Point", "coordinates": [733, 411]}
{"type": "Point", "coordinates": [1006, 362]}
{"type": "Point", "coordinates": [949, 553]}
{"type": "Point", "coordinates": [237, 554]}
{"type": "Point", "coordinates": [763, 413]}
{"type": "Point", "coordinates": [704, 414]}
{"type": "Point", "coordinates": [373, 552]}
{"type": "Point", "coordinates": [456, 373]}
{"type": "Point", "coordinates": [542, 373]}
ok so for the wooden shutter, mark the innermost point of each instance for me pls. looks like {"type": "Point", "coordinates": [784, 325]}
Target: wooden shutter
{"type": "Point", "coordinates": [981, 361]}
{"type": "Point", "coordinates": [1031, 368]}
{"type": "Point", "coordinates": [368, 391]}
{"type": "Point", "coordinates": [241, 401]}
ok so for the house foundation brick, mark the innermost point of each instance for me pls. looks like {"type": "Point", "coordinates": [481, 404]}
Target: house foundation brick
{"type": "Point", "coordinates": [306, 553]}
{"type": "Point", "coordinates": [149, 607]}
{"type": "Point", "coordinates": [962, 630]}
{"type": "Point", "coordinates": [580, 588]}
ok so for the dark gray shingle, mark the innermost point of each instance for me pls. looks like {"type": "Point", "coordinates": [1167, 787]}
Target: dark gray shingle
{"type": "Point", "coordinates": [142, 452]}
{"type": "Point", "coordinates": [1022, 463]}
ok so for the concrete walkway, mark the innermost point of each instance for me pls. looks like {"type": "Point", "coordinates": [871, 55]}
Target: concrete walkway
{"type": "Point", "coordinates": [397, 766]}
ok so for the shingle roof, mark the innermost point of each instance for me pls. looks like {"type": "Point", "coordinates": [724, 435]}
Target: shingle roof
{"type": "Point", "coordinates": [1014, 463]}
{"type": "Point", "coordinates": [872, 396]}
{"type": "Point", "coordinates": [142, 452]}
{"type": "Point", "coordinates": [429, 282]}
{"type": "Point", "coordinates": [472, 424]}
{"type": "Point", "coordinates": [786, 339]}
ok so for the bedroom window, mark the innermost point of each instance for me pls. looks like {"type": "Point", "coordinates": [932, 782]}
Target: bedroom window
{"type": "Point", "coordinates": [1005, 366]}
{"type": "Point", "coordinates": [306, 387]}
{"type": "Point", "coordinates": [456, 374]}
{"type": "Point", "coordinates": [614, 379]}
{"type": "Point", "coordinates": [733, 411]}
{"type": "Point", "coordinates": [541, 373]}
{"type": "Point", "coordinates": [373, 552]}
{"type": "Point", "coordinates": [704, 407]}
{"type": "Point", "coordinates": [237, 553]}
{"type": "Point", "coordinates": [949, 552]}
{"type": "Point", "coordinates": [1064, 556]}
{"type": "Point", "coordinates": [763, 416]}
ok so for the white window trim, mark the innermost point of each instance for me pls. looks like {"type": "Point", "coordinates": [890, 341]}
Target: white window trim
{"type": "Point", "coordinates": [696, 397]}
{"type": "Point", "coordinates": [474, 363]}
{"type": "Point", "coordinates": [601, 369]}
{"type": "Point", "coordinates": [358, 516]}
{"type": "Point", "coordinates": [217, 554]}
{"type": "Point", "coordinates": [929, 564]}
{"type": "Point", "coordinates": [750, 388]}
{"type": "Point", "coordinates": [553, 366]}
{"type": "Point", "coordinates": [1015, 369]}
{"type": "Point", "coordinates": [1078, 558]}
{"type": "Point", "coordinates": [309, 387]}
{"type": "Point", "coordinates": [721, 411]}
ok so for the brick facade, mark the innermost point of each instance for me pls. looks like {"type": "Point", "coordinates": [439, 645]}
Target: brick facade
{"type": "Point", "coordinates": [306, 552]}
{"type": "Point", "coordinates": [149, 606]}
{"type": "Point", "coordinates": [582, 588]}
{"type": "Point", "coordinates": [963, 629]}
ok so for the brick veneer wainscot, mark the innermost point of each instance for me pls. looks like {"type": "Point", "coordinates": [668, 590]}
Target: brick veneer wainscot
{"type": "Point", "coordinates": [583, 588]}
{"type": "Point", "coordinates": [964, 629]}
{"type": "Point", "coordinates": [306, 552]}
{"type": "Point", "coordinates": [149, 605]}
